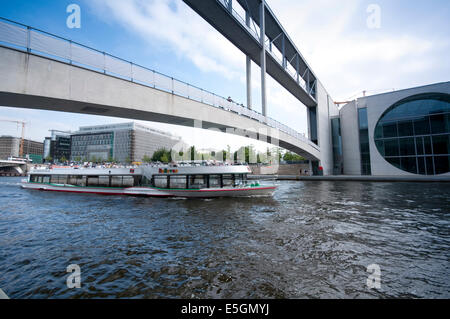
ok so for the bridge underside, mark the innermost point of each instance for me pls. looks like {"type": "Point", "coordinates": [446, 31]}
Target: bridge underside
{"type": "Point", "coordinates": [30, 81]}
{"type": "Point", "coordinates": [229, 26]}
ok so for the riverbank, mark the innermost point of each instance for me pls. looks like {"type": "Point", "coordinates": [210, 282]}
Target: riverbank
{"type": "Point", "coordinates": [358, 178]}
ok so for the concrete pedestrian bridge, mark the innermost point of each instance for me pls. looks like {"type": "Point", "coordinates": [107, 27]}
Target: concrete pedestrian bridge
{"type": "Point", "coordinates": [42, 71]}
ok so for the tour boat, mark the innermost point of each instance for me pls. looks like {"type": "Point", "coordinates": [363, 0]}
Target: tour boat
{"type": "Point", "coordinates": [156, 181]}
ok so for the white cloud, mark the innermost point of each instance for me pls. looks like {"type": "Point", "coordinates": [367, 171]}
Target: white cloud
{"type": "Point", "coordinates": [173, 23]}
{"type": "Point", "coordinates": [350, 57]}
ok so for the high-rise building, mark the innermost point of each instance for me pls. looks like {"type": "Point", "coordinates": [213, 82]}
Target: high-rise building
{"type": "Point", "coordinates": [10, 147]}
{"type": "Point", "coordinates": [120, 142]}
{"type": "Point", "coordinates": [57, 147]}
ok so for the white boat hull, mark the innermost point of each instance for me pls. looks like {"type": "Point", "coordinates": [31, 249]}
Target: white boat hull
{"type": "Point", "coordinates": [155, 192]}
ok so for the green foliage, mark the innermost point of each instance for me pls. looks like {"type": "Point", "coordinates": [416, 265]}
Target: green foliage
{"type": "Point", "coordinates": [162, 155]}
{"type": "Point", "coordinates": [193, 153]}
{"type": "Point", "coordinates": [164, 158]}
{"type": "Point", "coordinates": [292, 157]}
{"type": "Point", "coordinates": [146, 159]}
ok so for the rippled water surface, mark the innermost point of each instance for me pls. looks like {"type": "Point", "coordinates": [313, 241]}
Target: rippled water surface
{"type": "Point", "coordinates": [311, 240]}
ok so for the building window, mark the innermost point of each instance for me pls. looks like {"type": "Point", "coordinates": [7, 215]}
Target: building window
{"type": "Point", "coordinates": [337, 146]}
{"type": "Point", "coordinates": [364, 140]}
{"type": "Point", "coordinates": [313, 124]}
{"type": "Point", "coordinates": [414, 134]}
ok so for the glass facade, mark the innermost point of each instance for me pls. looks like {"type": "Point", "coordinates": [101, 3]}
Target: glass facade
{"type": "Point", "coordinates": [92, 146]}
{"type": "Point", "coordinates": [337, 146]}
{"type": "Point", "coordinates": [414, 134]}
{"type": "Point", "coordinates": [313, 124]}
{"type": "Point", "coordinates": [364, 142]}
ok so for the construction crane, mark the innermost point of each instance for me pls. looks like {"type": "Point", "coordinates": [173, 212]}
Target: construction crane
{"type": "Point", "coordinates": [22, 139]}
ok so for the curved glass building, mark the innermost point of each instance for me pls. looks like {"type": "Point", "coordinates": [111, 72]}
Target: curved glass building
{"type": "Point", "coordinates": [398, 133]}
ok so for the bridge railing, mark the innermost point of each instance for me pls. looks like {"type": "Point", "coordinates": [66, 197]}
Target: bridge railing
{"type": "Point", "coordinates": [26, 38]}
{"type": "Point", "coordinates": [255, 32]}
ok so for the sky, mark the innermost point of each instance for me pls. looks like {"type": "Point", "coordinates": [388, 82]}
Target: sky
{"type": "Point", "coordinates": [406, 45]}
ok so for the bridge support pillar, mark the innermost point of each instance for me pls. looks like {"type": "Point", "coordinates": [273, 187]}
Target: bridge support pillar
{"type": "Point", "coordinates": [248, 69]}
{"type": "Point", "coordinates": [262, 29]}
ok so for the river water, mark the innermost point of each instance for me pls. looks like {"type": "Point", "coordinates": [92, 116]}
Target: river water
{"type": "Point", "coordinates": [311, 240]}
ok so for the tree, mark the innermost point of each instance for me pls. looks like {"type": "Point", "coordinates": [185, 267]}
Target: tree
{"type": "Point", "coordinates": [164, 158]}
{"type": "Point", "coordinates": [49, 159]}
{"type": "Point", "coordinates": [146, 159]}
{"type": "Point", "coordinates": [162, 155]}
{"type": "Point", "coordinates": [193, 153]}
{"type": "Point", "coordinates": [77, 159]}
{"type": "Point", "coordinates": [224, 155]}
{"type": "Point", "coordinates": [292, 157]}
{"type": "Point", "coordinates": [63, 159]}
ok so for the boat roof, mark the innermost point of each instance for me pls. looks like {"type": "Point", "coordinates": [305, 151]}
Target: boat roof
{"type": "Point", "coordinates": [145, 170]}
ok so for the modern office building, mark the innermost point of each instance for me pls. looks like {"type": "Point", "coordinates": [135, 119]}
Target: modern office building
{"type": "Point", "coordinates": [57, 147]}
{"type": "Point", "coordinates": [10, 146]}
{"type": "Point", "coordinates": [404, 132]}
{"type": "Point", "coordinates": [121, 142]}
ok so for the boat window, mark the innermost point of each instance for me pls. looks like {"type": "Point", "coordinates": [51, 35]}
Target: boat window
{"type": "Point", "coordinates": [77, 180]}
{"type": "Point", "coordinates": [116, 181]}
{"type": "Point", "coordinates": [58, 179]}
{"type": "Point", "coordinates": [128, 181]}
{"type": "Point", "coordinates": [46, 179]}
{"type": "Point", "coordinates": [33, 178]}
{"type": "Point", "coordinates": [228, 180]}
{"type": "Point", "coordinates": [92, 181]}
{"type": "Point", "coordinates": [178, 181]}
{"type": "Point", "coordinates": [103, 181]}
{"type": "Point", "coordinates": [160, 181]}
{"type": "Point", "coordinates": [54, 179]}
{"type": "Point", "coordinates": [238, 180]}
{"type": "Point", "coordinates": [214, 181]}
{"type": "Point", "coordinates": [72, 180]}
{"type": "Point", "coordinates": [197, 181]}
